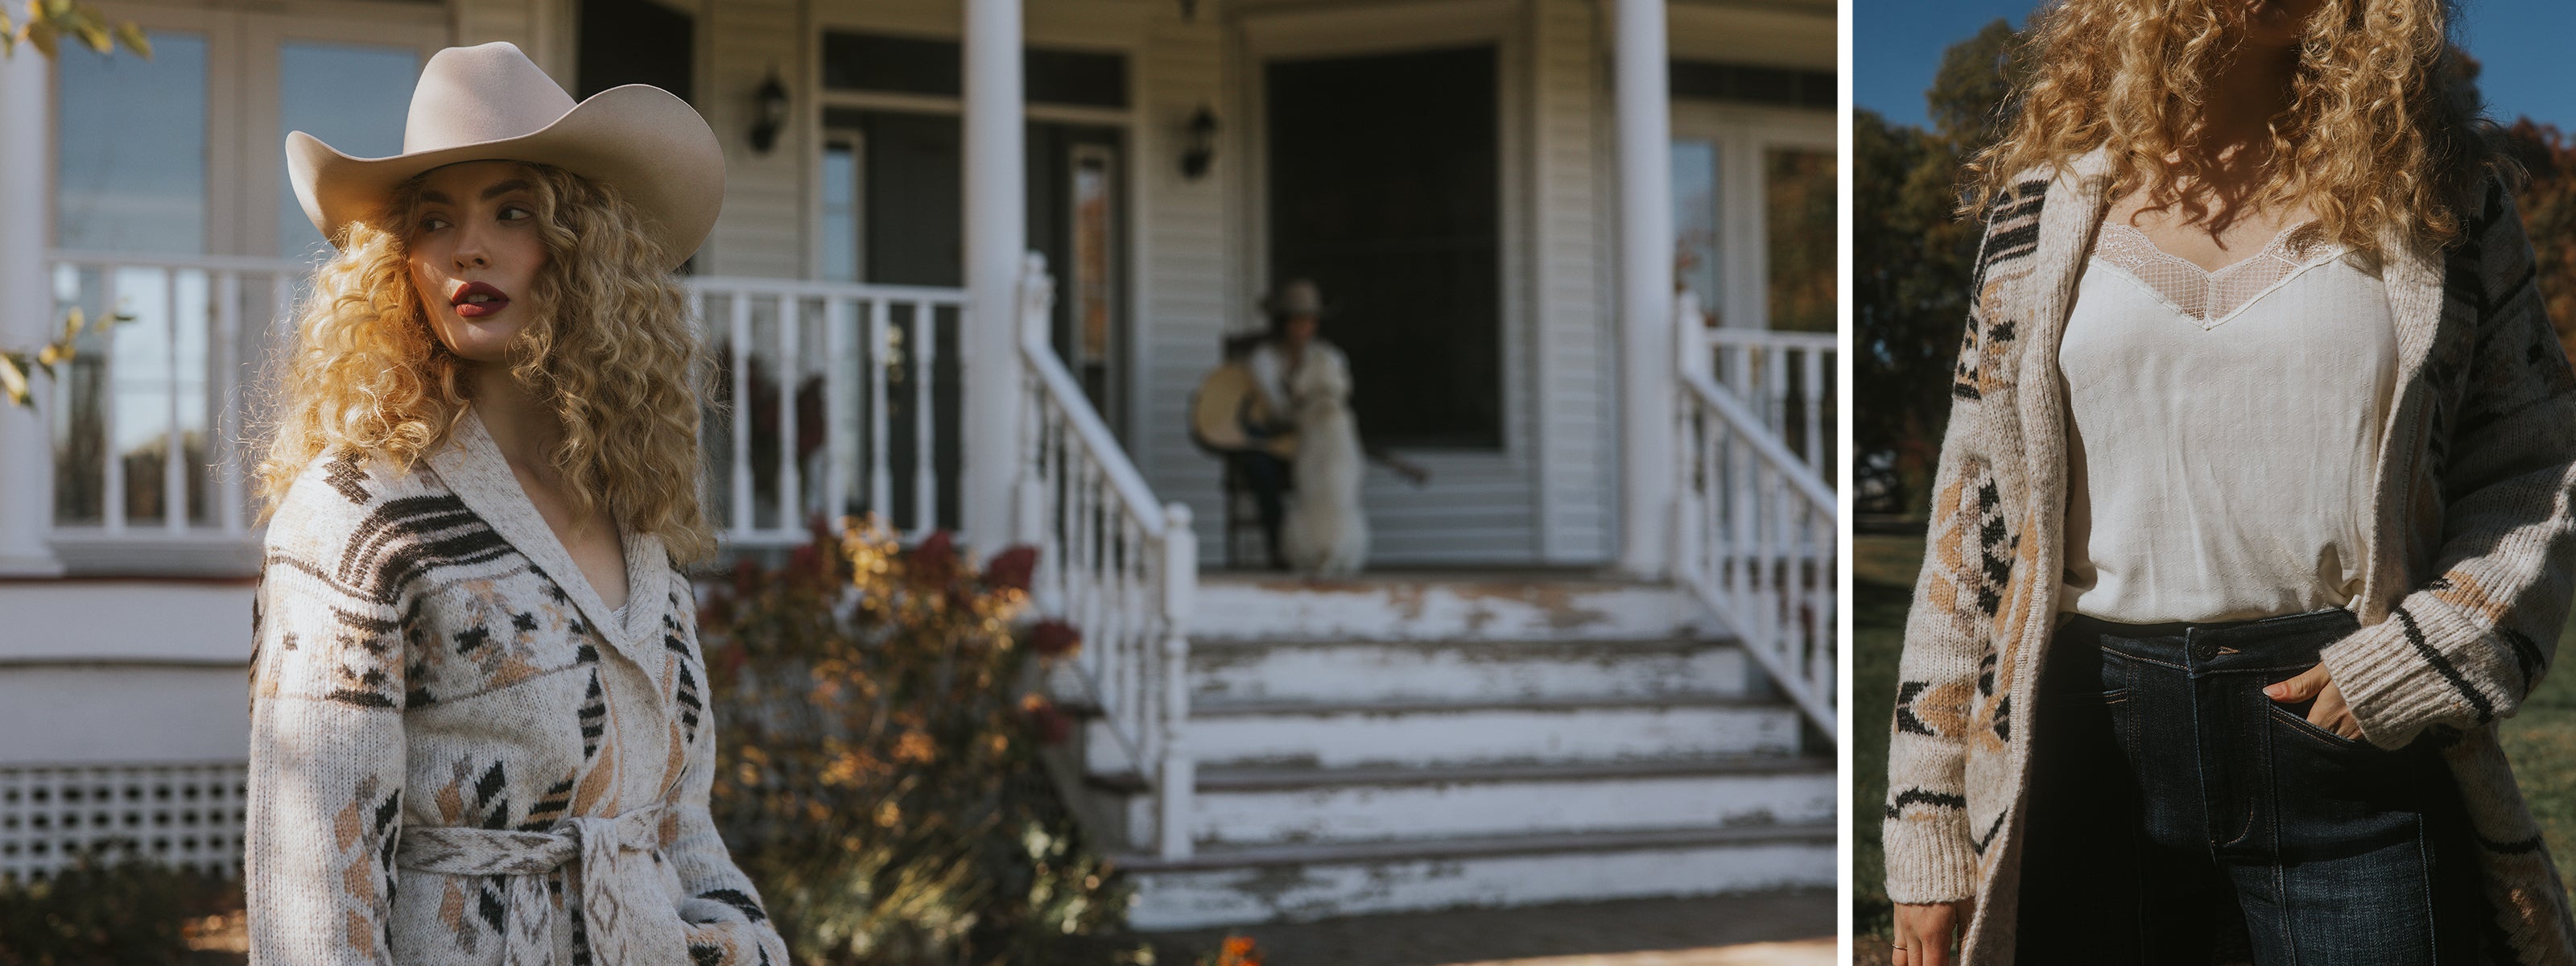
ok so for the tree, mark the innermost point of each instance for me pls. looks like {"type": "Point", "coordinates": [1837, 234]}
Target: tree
{"type": "Point", "coordinates": [48, 21]}
{"type": "Point", "coordinates": [1912, 258]}
{"type": "Point", "coordinates": [2548, 204]}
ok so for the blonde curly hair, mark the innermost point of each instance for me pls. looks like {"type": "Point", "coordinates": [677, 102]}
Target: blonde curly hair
{"type": "Point", "coordinates": [2381, 130]}
{"type": "Point", "coordinates": [610, 349]}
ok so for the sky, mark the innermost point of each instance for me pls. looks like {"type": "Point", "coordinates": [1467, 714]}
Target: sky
{"type": "Point", "coordinates": [1897, 44]}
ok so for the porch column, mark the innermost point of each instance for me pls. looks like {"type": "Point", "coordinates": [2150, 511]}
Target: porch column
{"type": "Point", "coordinates": [1646, 383]}
{"type": "Point", "coordinates": [26, 309]}
{"type": "Point", "coordinates": [996, 239]}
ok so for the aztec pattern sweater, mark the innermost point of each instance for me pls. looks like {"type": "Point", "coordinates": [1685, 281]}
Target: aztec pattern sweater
{"type": "Point", "coordinates": [2473, 549]}
{"type": "Point", "coordinates": [456, 757]}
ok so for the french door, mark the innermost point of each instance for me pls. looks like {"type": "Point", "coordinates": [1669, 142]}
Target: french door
{"type": "Point", "coordinates": [161, 168]}
{"type": "Point", "coordinates": [1753, 213]}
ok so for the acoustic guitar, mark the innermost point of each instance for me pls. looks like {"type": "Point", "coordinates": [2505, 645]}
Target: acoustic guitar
{"type": "Point", "coordinates": [1226, 410]}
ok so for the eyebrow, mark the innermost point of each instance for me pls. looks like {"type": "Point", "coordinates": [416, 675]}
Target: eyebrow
{"type": "Point", "coordinates": [490, 193]}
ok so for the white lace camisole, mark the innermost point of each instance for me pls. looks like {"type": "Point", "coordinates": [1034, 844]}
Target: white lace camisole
{"type": "Point", "coordinates": [2225, 429]}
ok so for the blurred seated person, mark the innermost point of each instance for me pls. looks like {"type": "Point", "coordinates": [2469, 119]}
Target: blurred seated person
{"type": "Point", "coordinates": [1244, 411]}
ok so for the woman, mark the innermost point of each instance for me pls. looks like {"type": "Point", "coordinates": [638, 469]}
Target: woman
{"type": "Point", "coordinates": [2251, 515]}
{"type": "Point", "coordinates": [477, 717]}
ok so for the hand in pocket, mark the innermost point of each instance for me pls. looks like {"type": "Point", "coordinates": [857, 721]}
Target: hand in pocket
{"type": "Point", "coordinates": [2329, 712]}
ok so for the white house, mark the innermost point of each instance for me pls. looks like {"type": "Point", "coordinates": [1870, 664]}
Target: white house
{"type": "Point", "coordinates": [975, 256]}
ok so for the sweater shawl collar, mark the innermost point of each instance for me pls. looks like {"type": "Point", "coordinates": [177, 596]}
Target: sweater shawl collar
{"type": "Point", "coordinates": [471, 465]}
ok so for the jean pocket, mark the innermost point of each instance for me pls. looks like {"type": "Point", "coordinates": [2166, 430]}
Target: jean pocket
{"type": "Point", "coordinates": [2295, 718]}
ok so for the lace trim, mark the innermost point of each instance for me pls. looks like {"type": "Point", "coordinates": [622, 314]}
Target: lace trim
{"type": "Point", "coordinates": [2208, 297]}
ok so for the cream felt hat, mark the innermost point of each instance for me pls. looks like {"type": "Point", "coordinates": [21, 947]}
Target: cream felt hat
{"type": "Point", "coordinates": [489, 102]}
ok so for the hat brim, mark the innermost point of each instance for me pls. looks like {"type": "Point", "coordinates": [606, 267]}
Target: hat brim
{"type": "Point", "coordinates": [646, 142]}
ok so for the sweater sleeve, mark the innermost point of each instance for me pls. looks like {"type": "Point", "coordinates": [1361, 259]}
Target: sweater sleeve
{"type": "Point", "coordinates": [727, 926]}
{"type": "Point", "coordinates": [326, 738]}
{"type": "Point", "coordinates": [1931, 851]}
{"type": "Point", "coordinates": [2465, 647]}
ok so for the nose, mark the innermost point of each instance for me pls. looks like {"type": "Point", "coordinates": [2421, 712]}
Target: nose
{"type": "Point", "coordinates": [469, 251]}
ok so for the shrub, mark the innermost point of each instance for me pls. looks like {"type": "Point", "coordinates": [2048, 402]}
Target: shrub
{"type": "Point", "coordinates": [878, 773]}
{"type": "Point", "coordinates": [109, 906]}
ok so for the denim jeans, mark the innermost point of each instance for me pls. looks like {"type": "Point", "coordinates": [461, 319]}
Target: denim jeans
{"type": "Point", "coordinates": [2179, 815]}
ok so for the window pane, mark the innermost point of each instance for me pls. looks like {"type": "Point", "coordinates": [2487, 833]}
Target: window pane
{"type": "Point", "coordinates": [352, 96]}
{"type": "Point", "coordinates": [1695, 235]}
{"type": "Point", "coordinates": [130, 151]}
{"type": "Point", "coordinates": [1798, 200]}
{"type": "Point", "coordinates": [840, 212]}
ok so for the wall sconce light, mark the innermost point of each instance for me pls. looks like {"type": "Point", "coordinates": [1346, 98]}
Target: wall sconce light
{"type": "Point", "coordinates": [1202, 144]}
{"type": "Point", "coordinates": [769, 113]}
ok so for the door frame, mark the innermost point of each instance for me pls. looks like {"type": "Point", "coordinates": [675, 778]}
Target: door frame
{"type": "Point", "coordinates": [1395, 27]}
{"type": "Point", "coordinates": [1044, 28]}
{"type": "Point", "coordinates": [1740, 133]}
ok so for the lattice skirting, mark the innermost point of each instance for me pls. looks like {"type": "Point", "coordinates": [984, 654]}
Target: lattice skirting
{"type": "Point", "coordinates": [185, 815]}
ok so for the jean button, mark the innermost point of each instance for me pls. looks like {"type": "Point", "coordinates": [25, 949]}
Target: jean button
{"type": "Point", "coordinates": [2204, 650]}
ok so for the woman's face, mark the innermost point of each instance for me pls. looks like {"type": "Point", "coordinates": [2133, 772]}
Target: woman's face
{"type": "Point", "coordinates": [475, 255]}
{"type": "Point", "coordinates": [1299, 329]}
{"type": "Point", "coordinates": [2278, 24]}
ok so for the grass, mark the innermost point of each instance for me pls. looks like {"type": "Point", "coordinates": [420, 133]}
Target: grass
{"type": "Point", "coordinates": [2540, 740]}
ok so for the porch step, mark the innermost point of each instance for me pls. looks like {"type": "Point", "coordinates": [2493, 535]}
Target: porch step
{"type": "Point", "coordinates": [1423, 741]}
{"type": "Point", "coordinates": [1423, 734]}
{"type": "Point", "coordinates": [1487, 607]}
{"type": "Point", "coordinates": [1241, 884]}
{"type": "Point", "coordinates": [1463, 670]}
{"type": "Point", "coordinates": [1245, 807]}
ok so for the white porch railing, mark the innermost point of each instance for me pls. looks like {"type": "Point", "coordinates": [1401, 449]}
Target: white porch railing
{"type": "Point", "coordinates": [1112, 561]}
{"type": "Point", "coordinates": [830, 399]}
{"type": "Point", "coordinates": [1787, 377]}
{"type": "Point", "coordinates": [1755, 526]}
{"type": "Point", "coordinates": [147, 417]}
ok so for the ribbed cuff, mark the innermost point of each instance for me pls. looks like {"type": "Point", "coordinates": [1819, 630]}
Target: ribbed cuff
{"type": "Point", "coordinates": [2388, 682]}
{"type": "Point", "coordinates": [1929, 857]}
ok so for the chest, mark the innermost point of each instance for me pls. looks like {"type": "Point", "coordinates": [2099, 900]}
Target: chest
{"type": "Point", "coordinates": [589, 537]}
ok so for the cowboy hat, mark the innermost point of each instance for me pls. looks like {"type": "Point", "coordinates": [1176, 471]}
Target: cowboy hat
{"type": "Point", "coordinates": [489, 102]}
{"type": "Point", "coordinates": [1298, 297]}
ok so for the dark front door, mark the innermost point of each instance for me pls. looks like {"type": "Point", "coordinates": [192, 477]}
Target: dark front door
{"type": "Point", "coordinates": [1384, 189]}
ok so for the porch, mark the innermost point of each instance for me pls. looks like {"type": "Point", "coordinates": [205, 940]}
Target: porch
{"type": "Point", "coordinates": [1030, 385]}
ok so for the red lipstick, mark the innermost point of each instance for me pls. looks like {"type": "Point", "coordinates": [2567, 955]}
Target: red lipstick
{"type": "Point", "coordinates": [467, 306]}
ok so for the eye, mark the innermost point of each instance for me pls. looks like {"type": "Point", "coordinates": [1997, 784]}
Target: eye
{"type": "Point", "coordinates": [432, 223]}
{"type": "Point", "coordinates": [522, 210]}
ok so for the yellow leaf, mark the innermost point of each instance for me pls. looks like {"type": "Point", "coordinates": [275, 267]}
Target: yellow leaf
{"type": "Point", "coordinates": [72, 323]}
{"type": "Point", "coordinates": [13, 379]}
{"type": "Point", "coordinates": [41, 34]}
{"type": "Point", "coordinates": [93, 33]}
{"type": "Point", "coordinates": [57, 8]}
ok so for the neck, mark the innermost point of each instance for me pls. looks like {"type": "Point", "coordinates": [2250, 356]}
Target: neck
{"type": "Point", "coordinates": [521, 425]}
{"type": "Point", "coordinates": [2234, 135]}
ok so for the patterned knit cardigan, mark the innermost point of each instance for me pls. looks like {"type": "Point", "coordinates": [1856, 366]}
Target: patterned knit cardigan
{"type": "Point", "coordinates": [2467, 584]}
{"type": "Point", "coordinates": [456, 757]}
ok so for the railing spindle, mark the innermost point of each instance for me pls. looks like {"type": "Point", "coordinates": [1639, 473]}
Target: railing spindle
{"type": "Point", "coordinates": [791, 376]}
{"type": "Point", "coordinates": [739, 335]}
{"type": "Point", "coordinates": [222, 351]}
{"type": "Point", "coordinates": [925, 482]}
{"type": "Point", "coordinates": [114, 472]}
{"type": "Point", "coordinates": [880, 469]}
{"type": "Point", "coordinates": [174, 469]}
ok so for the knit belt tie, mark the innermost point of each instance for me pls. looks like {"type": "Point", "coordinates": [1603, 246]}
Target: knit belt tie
{"type": "Point", "coordinates": [610, 863]}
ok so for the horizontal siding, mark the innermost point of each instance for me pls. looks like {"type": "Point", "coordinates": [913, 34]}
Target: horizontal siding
{"type": "Point", "coordinates": [761, 231]}
{"type": "Point", "coordinates": [1574, 319]}
{"type": "Point", "coordinates": [1186, 243]}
